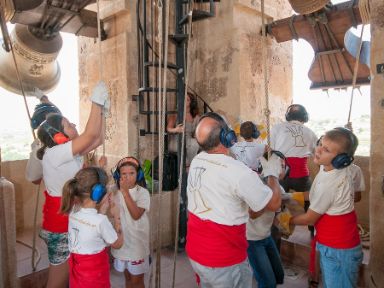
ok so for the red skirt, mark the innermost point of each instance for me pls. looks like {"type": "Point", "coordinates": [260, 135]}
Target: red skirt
{"type": "Point", "coordinates": [89, 271]}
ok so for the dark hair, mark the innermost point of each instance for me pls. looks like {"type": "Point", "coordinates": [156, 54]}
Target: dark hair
{"type": "Point", "coordinates": [79, 187]}
{"type": "Point", "coordinates": [52, 125]}
{"type": "Point", "coordinates": [345, 137]}
{"type": "Point", "coordinates": [297, 112]}
{"type": "Point", "coordinates": [213, 138]}
{"type": "Point", "coordinates": [193, 106]}
{"type": "Point", "coordinates": [246, 130]}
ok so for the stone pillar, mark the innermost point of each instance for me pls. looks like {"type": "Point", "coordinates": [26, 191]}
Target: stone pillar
{"type": "Point", "coordinates": [376, 264]}
{"type": "Point", "coordinates": [119, 71]}
{"type": "Point", "coordinates": [226, 61]}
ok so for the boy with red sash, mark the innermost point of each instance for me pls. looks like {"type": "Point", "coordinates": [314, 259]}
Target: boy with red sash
{"type": "Point", "coordinates": [332, 211]}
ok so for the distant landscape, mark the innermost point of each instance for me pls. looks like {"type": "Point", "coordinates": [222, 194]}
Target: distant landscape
{"type": "Point", "coordinates": [15, 144]}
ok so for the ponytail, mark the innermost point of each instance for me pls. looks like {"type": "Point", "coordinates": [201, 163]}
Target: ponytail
{"type": "Point", "coordinates": [69, 193]}
{"type": "Point", "coordinates": [40, 152]}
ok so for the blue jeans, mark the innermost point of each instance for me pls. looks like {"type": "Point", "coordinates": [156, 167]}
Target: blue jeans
{"type": "Point", "coordinates": [265, 262]}
{"type": "Point", "coordinates": [340, 267]}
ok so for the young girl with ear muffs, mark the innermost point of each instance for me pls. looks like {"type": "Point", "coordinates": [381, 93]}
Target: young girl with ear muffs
{"type": "Point", "coordinates": [132, 201]}
{"type": "Point", "coordinates": [88, 231]}
{"type": "Point", "coordinates": [61, 160]}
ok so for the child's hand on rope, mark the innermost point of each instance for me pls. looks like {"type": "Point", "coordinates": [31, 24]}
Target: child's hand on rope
{"type": "Point", "coordinates": [283, 224]}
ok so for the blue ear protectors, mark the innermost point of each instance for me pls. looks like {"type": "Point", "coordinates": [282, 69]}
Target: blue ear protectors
{"type": "Point", "coordinates": [343, 160]}
{"type": "Point", "coordinates": [116, 170]}
{"type": "Point", "coordinates": [297, 112]}
{"type": "Point", "coordinates": [227, 135]}
{"type": "Point", "coordinates": [99, 190]}
{"type": "Point", "coordinates": [255, 132]}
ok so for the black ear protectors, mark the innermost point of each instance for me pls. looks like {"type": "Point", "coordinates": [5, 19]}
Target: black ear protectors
{"type": "Point", "coordinates": [227, 135]}
{"type": "Point", "coordinates": [297, 112]}
{"type": "Point", "coordinates": [343, 160]}
{"type": "Point", "coordinates": [99, 190]}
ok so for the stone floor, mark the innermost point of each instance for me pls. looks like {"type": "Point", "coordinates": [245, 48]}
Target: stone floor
{"type": "Point", "coordinates": [295, 250]}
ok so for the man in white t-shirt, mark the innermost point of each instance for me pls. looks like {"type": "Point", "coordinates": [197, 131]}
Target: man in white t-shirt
{"type": "Point", "coordinates": [297, 142]}
{"type": "Point", "coordinates": [221, 191]}
{"type": "Point", "coordinates": [249, 151]}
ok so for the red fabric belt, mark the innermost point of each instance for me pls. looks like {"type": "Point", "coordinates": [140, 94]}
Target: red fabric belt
{"type": "Point", "coordinates": [215, 245]}
{"type": "Point", "coordinates": [335, 231]}
{"type": "Point", "coordinates": [298, 167]}
{"type": "Point", "coordinates": [89, 271]}
{"type": "Point", "coordinates": [53, 221]}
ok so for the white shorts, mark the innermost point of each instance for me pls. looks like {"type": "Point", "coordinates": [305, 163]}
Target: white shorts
{"type": "Point", "coordinates": [136, 267]}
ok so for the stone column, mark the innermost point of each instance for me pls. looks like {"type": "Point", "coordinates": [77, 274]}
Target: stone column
{"type": "Point", "coordinates": [226, 61]}
{"type": "Point", "coordinates": [376, 264]}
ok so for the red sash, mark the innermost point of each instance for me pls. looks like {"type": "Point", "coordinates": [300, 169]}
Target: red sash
{"type": "Point", "coordinates": [335, 231]}
{"type": "Point", "coordinates": [215, 245]}
{"type": "Point", "coordinates": [298, 167]}
{"type": "Point", "coordinates": [53, 221]}
{"type": "Point", "coordinates": [89, 271]}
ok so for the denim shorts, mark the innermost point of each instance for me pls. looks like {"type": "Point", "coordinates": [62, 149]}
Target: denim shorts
{"type": "Point", "coordinates": [57, 243]}
{"type": "Point", "coordinates": [340, 267]}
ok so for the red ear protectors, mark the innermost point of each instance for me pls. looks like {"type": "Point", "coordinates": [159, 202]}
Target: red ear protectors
{"type": "Point", "coordinates": [60, 138]}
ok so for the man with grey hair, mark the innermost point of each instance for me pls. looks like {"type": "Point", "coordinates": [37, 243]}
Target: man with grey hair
{"type": "Point", "coordinates": [222, 194]}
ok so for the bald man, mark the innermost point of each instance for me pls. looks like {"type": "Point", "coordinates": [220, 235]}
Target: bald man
{"type": "Point", "coordinates": [222, 194]}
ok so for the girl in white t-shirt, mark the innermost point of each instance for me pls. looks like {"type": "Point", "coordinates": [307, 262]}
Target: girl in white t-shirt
{"type": "Point", "coordinates": [61, 151]}
{"type": "Point", "coordinates": [132, 203]}
{"type": "Point", "coordinates": [89, 233]}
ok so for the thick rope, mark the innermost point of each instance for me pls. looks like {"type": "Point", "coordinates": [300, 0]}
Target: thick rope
{"type": "Point", "coordinates": [365, 11]}
{"type": "Point", "coordinates": [33, 247]}
{"type": "Point", "coordinates": [356, 68]}
{"type": "Point", "coordinates": [100, 67]}
{"type": "Point", "coordinates": [267, 112]}
{"type": "Point", "coordinates": [160, 145]}
{"type": "Point", "coordinates": [186, 77]}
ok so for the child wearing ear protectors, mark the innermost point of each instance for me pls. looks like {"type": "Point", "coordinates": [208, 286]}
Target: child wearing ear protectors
{"type": "Point", "coordinates": [60, 155]}
{"type": "Point", "coordinates": [89, 233]}
{"type": "Point", "coordinates": [132, 202]}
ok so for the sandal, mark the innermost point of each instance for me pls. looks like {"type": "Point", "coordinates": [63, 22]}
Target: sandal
{"type": "Point", "coordinates": [312, 283]}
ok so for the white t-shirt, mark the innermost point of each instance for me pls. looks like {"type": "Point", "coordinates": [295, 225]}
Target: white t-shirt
{"type": "Point", "coordinates": [89, 232]}
{"type": "Point", "coordinates": [358, 178]}
{"type": "Point", "coordinates": [332, 192]}
{"type": "Point", "coordinates": [260, 228]}
{"type": "Point", "coordinates": [59, 165]}
{"type": "Point", "coordinates": [221, 188]}
{"type": "Point", "coordinates": [136, 232]}
{"type": "Point", "coordinates": [34, 168]}
{"type": "Point", "coordinates": [293, 139]}
{"type": "Point", "coordinates": [248, 153]}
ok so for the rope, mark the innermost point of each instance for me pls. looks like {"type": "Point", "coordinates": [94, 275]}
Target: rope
{"type": "Point", "coordinates": [186, 77]}
{"type": "Point", "coordinates": [100, 66]}
{"type": "Point", "coordinates": [356, 68]}
{"type": "Point", "coordinates": [33, 247]}
{"type": "Point", "coordinates": [160, 143]}
{"type": "Point", "coordinates": [267, 112]}
{"type": "Point", "coordinates": [365, 11]}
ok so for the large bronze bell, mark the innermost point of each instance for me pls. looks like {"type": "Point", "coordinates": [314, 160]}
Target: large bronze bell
{"type": "Point", "coordinates": [35, 59]}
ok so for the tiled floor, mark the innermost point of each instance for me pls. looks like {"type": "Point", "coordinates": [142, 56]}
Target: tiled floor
{"type": "Point", "coordinates": [184, 275]}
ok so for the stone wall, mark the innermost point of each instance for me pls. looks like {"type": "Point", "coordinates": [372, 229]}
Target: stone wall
{"type": "Point", "coordinates": [376, 279]}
